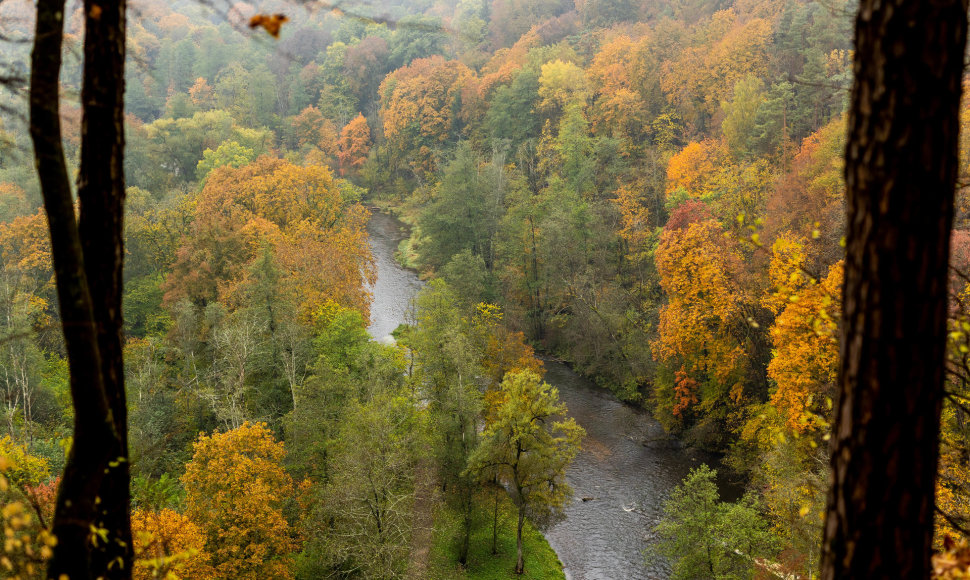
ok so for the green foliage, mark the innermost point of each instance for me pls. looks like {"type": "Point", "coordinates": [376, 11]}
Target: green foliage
{"type": "Point", "coordinates": [703, 537]}
{"type": "Point", "coordinates": [361, 521]}
{"type": "Point", "coordinates": [228, 153]}
{"type": "Point", "coordinates": [528, 450]}
{"type": "Point", "coordinates": [464, 213]}
{"type": "Point", "coordinates": [541, 561]}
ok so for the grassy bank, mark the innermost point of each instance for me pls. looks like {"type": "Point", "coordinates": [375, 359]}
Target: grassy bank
{"type": "Point", "coordinates": [541, 561]}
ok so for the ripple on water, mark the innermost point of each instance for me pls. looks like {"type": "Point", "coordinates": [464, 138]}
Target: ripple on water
{"type": "Point", "coordinates": [605, 538]}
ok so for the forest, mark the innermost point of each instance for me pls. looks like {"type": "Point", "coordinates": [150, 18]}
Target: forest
{"type": "Point", "coordinates": [651, 192]}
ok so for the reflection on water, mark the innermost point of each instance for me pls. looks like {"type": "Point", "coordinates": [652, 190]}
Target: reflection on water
{"type": "Point", "coordinates": [623, 481]}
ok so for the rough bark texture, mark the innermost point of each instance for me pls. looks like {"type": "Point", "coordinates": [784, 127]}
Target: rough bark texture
{"type": "Point", "coordinates": [93, 494]}
{"type": "Point", "coordinates": [901, 165]}
{"type": "Point", "coordinates": [101, 191]}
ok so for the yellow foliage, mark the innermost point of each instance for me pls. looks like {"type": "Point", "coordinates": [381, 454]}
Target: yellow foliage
{"type": "Point", "coordinates": [168, 545]}
{"type": "Point", "coordinates": [706, 171]}
{"type": "Point", "coordinates": [785, 271]}
{"type": "Point", "coordinates": [561, 83]}
{"type": "Point", "coordinates": [235, 487]}
{"type": "Point", "coordinates": [806, 362]}
{"type": "Point", "coordinates": [27, 543]}
{"type": "Point", "coordinates": [704, 303]}
{"type": "Point", "coordinates": [953, 562]}
{"type": "Point", "coordinates": [635, 227]}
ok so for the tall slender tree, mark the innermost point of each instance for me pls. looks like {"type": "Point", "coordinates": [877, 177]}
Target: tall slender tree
{"type": "Point", "coordinates": [901, 166]}
{"type": "Point", "coordinates": [92, 519]}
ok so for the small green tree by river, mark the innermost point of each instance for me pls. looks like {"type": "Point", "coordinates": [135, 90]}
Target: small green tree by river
{"type": "Point", "coordinates": [529, 451]}
{"type": "Point", "coordinates": [703, 537]}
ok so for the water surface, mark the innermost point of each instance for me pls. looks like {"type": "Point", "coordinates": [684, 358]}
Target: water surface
{"type": "Point", "coordinates": [395, 286]}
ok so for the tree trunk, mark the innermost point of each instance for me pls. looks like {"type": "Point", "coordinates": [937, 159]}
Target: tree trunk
{"type": "Point", "coordinates": [495, 525]}
{"type": "Point", "coordinates": [901, 166]}
{"type": "Point", "coordinates": [91, 519]}
{"type": "Point", "coordinates": [519, 563]}
{"type": "Point", "coordinates": [467, 504]}
{"type": "Point", "coordinates": [101, 191]}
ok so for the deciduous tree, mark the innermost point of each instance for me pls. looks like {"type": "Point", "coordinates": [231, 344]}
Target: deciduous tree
{"type": "Point", "coordinates": [235, 490]}
{"type": "Point", "coordinates": [529, 450]}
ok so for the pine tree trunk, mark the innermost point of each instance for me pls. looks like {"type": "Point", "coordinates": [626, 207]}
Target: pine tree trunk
{"type": "Point", "coordinates": [901, 166]}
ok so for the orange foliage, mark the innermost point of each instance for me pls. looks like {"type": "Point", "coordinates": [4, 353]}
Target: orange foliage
{"type": "Point", "coordinates": [806, 362]}
{"type": "Point", "coordinates": [201, 93]}
{"type": "Point", "coordinates": [354, 144]}
{"type": "Point", "coordinates": [421, 106]}
{"type": "Point", "coordinates": [318, 239]}
{"type": "Point", "coordinates": [619, 109]}
{"type": "Point", "coordinates": [500, 69]}
{"type": "Point", "coordinates": [168, 545]}
{"type": "Point", "coordinates": [235, 487]}
{"type": "Point", "coordinates": [271, 23]}
{"type": "Point", "coordinates": [813, 192]}
{"type": "Point", "coordinates": [727, 49]}
{"type": "Point", "coordinates": [505, 351]}
{"type": "Point", "coordinates": [25, 258]}
{"type": "Point", "coordinates": [685, 392]}
{"type": "Point", "coordinates": [694, 167]}
{"type": "Point", "coordinates": [695, 264]}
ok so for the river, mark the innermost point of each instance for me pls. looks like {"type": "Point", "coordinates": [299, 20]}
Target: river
{"type": "Point", "coordinates": [623, 481]}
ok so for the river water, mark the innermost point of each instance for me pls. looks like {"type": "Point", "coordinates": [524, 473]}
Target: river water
{"type": "Point", "coordinates": [621, 477]}
{"type": "Point", "coordinates": [395, 286]}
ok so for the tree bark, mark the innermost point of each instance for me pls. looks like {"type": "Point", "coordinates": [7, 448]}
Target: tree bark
{"type": "Point", "coordinates": [101, 191]}
{"type": "Point", "coordinates": [91, 519]}
{"type": "Point", "coordinates": [901, 166]}
{"type": "Point", "coordinates": [519, 562]}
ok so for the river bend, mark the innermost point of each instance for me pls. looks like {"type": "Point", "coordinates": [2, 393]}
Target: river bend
{"type": "Point", "coordinates": [620, 482]}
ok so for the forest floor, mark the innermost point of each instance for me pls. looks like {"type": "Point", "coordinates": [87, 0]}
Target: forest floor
{"type": "Point", "coordinates": [425, 497]}
{"type": "Point", "coordinates": [541, 562]}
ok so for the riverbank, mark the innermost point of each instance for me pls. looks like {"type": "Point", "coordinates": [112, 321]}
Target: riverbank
{"type": "Point", "coordinates": [623, 481]}
{"type": "Point", "coordinates": [432, 553]}
{"type": "Point", "coordinates": [541, 561]}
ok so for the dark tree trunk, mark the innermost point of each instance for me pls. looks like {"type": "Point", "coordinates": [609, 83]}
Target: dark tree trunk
{"type": "Point", "coordinates": [901, 166]}
{"type": "Point", "coordinates": [91, 520]}
{"type": "Point", "coordinates": [520, 561]}
{"type": "Point", "coordinates": [466, 524]}
{"type": "Point", "coordinates": [495, 524]}
{"type": "Point", "coordinates": [76, 509]}
{"type": "Point", "coordinates": [101, 191]}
